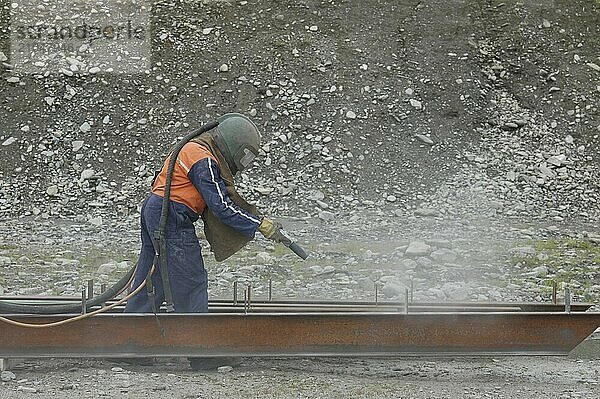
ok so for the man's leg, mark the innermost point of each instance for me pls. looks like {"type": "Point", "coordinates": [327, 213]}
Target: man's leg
{"type": "Point", "coordinates": [140, 303]}
{"type": "Point", "coordinates": [187, 273]}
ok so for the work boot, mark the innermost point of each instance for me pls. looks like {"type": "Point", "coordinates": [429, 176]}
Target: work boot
{"type": "Point", "coordinates": [212, 363]}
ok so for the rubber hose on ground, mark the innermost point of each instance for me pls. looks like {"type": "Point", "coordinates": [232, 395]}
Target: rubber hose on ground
{"type": "Point", "coordinates": [15, 308]}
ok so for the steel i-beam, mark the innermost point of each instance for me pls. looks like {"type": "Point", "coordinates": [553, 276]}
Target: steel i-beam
{"type": "Point", "coordinates": [300, 334]}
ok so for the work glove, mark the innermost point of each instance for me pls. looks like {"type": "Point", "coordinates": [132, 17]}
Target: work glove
{"type": "Point", "coordinates": [271, 230]}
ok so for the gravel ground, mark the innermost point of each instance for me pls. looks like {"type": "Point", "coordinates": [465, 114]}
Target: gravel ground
{"type": "Point", "coordinates": [448, 145]}
{"type": "Point", "coordinates": [504, 377]}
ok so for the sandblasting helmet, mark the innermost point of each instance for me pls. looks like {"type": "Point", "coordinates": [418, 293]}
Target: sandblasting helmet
{"type": "Point", "coordinates": [238, 140]}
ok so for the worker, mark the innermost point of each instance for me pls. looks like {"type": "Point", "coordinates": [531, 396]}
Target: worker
{"type": "Point", "coordinates": [201, 186]}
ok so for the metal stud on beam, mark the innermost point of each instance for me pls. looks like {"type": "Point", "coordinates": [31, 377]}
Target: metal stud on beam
{"type": "Point", "coordinates": [83, 301]}
{"type": "Point", "coordinates": [270, 290]}
{"type": "Point", "coordinates": [249, 296]}
{"type": "Point", "coordinates": [567, 300]}
{"type": "Point", "coordinates": [235, 295]}
{"type": "Point", "coordinates": [90, 289]}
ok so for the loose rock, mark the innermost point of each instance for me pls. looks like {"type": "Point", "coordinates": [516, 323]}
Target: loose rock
{"type": "Point", "coordinates": [424, 139]}
{"type": "Point", "coordinates": [85, 127]}
{"type": "Point", "coordinates": [416, 104]}
{"type": "Point", "coordinates": [52, 190]}
{"type": "Point", "coordinates": [417, 248]}
{"type": "Point", "coordinates": [9, 141]}
{"type": "Point", "coordinates": [6, 376]}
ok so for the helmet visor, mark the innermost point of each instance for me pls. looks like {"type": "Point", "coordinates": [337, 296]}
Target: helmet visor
{"type": "Point", "coordinates": [247, 158]}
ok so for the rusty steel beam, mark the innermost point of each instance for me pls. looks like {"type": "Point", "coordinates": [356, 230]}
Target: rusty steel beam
{"type": "Point", "coordinates": [300, 334]}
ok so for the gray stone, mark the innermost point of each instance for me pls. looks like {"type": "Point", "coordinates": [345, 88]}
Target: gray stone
{"type": "Point", "coordinates": [439, 243]}
{"type": "Point", "coordinates": [416, 104]}
{"type": "Point", "coordinates": [123, 265]}
{"type": "Point", "coordinates": [424, 263]}
{"type": "Point", "coordinates": [52, 190]}
{"type": "Point", "coordinates": [316, 195]}
{"type": "Point", "coordinates": [76, 145]}
{"type": "Point", "coordinates": [545, 170]}
{"type": "Point", "coordinates": [539, 271]}
{"type": "Point", "coordinates": [595, 67]}
{"type": "Point", "coordinates": [424, 139]}
{"type": "Point", "coordinates": [417, 248]}
{"type": "Point", "coordinates": [392, 289]}
{"type": "Point", "coordinates": [524, 250]}
{"type": "Point", "coordinates": [85, 127]}
{"type": "Point", "coordinates": [9, 141]}
{"type": "Point", "coordinates": [436, 293]}
{"type": "Point", "coordinates": [455, 291]}
{"type": "Point", "coordinates": [321, 204]}
{"type": "Point", "coordinates": [26, 389]}
{"type": "Point", "coordinates": [569, 139]}
{"type": "Point", "coordinates": [97, 221]}
{"type": "Point", "coordinates": [426, 212]}
{"type": "Point", "coordinates": [316, 269]}
{"type": "Point", "coordinates": [350, 115]}
{"type": "Point", "coordinates": [3, 57]}
{"type": "Point", "coordinates": [407, 264]}
{"type": "Point", "coordinates": [443, 255]}
{"type": "Point", "coordinates": [520, 122]}
{"type": "Point", "coordinates": [556, 160]}
{"type": "Point", "coordinates": [107, 268]}
{"type": "Point", "coordinates": [326, 216]}
{"type": "Point", "coordinates": [6, 376]}
{"type": "Point", "coordinates": [264, 257]}
{"type": "Point", "coordinates": [224, 369]}
{"type": "Point", "coordinates": [86, 174]}
{"type": "Point", "coordinates": [263, 190]}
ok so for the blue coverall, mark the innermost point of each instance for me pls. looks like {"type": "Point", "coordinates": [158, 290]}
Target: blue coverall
{"type": "Point", "coordinates": [187, 275]}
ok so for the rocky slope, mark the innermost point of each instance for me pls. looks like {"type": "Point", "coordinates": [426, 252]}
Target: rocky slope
{"type": "Point", "coordinates": [358, 109]}
{"type": "Point", "coordinates": [464, 126]}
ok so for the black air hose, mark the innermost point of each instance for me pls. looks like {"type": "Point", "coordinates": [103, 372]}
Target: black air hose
{"type": "Point", "coordinates": [160, 236]}
{"type": "Point", "coordinates": [13, 308]}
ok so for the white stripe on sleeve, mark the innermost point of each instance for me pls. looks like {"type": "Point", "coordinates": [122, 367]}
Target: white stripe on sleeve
{"type": "Point", "coordinates": [212, 175]}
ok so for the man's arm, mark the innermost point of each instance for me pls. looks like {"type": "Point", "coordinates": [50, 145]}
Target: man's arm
{"type": "Point", "coordinates": [206, 177]}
